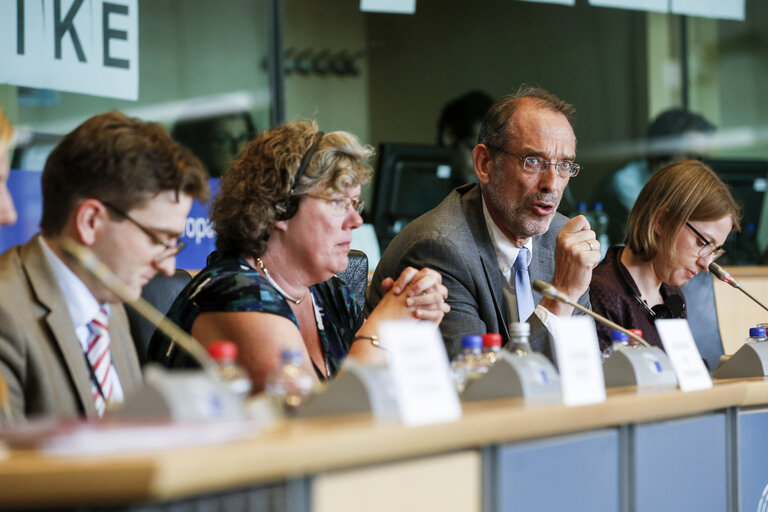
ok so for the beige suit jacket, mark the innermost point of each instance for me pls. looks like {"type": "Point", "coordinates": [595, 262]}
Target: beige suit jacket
{"type": "Point", "coordinates": [41, 358]}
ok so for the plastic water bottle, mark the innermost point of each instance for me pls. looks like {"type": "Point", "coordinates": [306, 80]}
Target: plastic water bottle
{"type": "Point", "coordinates": [491, 348]}
{"type": "Point", "coordinates": [756, 334]}
{"type": "Point", "coordinates": [518, 338]}
{"type": "Point", "coordinates": [290, 382]}
{"type": "Point", "coordinates": [600, 227]}
{"type": "Point", "coordinates": [618, 340]}
{"type": "Point", "coordinates": [465, 366]}
{"type": "Point", "coordinates": [225, 354]}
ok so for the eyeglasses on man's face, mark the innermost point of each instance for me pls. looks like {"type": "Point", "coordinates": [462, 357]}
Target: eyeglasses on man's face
{"type": "Point", "coordinates": [706, 248]}
{"type": "Point", "coordinates": [342, 205]}
{"type": "Point", "coordinates": [564, 169]}
{"type": "Point", "coordinates": [169, 249]}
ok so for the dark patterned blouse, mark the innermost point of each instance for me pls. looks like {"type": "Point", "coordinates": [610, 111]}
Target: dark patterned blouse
{"type": "Point", "coordinates": [229, 284]}
{"type": "Point", "coordinates": [614, 294]}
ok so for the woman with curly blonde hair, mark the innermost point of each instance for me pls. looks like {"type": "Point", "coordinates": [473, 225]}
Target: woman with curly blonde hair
{"type": "Point", "coordinates": [284, 219]}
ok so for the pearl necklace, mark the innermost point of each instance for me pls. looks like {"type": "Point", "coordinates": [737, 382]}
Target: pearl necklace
{"type": "Point", "coordinates": [277, 286]}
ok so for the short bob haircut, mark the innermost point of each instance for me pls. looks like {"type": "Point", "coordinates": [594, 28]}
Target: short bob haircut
{"type": "Point", "coordinates": [244, 212]}
{"type": "Point", "coordinates": [118, 159]}
{"type": "Point", "coordinates": [681, 192]}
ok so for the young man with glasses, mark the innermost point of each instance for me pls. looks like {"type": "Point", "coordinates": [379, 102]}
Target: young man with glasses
{"type": "Point", "coordinates": [123, 188]}
{"type": "Point", "coordinates": [523, 160]}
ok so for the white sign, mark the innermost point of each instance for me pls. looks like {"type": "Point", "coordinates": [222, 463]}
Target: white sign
{"type": "Point", "coordinates": [390, 6]}
{"type": "Point", "coordinates": [84, 46]}
{"type": "Point", "coordinates": [685, 357]}
{"type": "Point", "coordinates": [723, 9]}
{"type": "Point", "coordinates": [640, 5]}
{"type": "Point", "coordinates": [423, 385]}
{"type": "Point", "coordinates": [579, 361]}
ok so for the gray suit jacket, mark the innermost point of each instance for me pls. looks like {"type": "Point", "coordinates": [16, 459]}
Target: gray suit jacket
{"type": "Point", "coordinates": [40, 356]}
{"type": "Point", "coordinates": [453, 239]}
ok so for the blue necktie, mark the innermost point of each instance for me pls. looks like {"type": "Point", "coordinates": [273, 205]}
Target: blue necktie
{"type": "Point", "coordinates": [523, 292]}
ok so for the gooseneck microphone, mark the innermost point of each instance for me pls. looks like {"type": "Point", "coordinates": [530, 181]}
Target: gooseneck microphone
{"type": "Point", "coordinates": [726, 277]}
{"type": "Point", "coordinates": [551, 292]}
{"type": "Point", "coordinates": [87, 260]}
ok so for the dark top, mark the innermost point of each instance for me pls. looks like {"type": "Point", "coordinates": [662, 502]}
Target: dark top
{"type": "Point", "coordinates": [229, 284]}
{"type": "Point", "coordinates": [614, 294]}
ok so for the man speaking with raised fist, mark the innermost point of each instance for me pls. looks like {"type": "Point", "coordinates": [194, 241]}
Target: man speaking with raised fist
{"type": "Point", "coordinates": [491, 240]}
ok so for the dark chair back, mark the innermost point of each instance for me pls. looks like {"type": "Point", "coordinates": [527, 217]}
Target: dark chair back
{"type": "Point", "coordinates": [702, 317]}
{"type": "Point", "coordinates": [356, 276]}
{"type": "Point", "coordinates": [161, 291]}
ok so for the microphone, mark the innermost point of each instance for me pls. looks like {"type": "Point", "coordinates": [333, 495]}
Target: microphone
{"type": "Point", "coordinates": [549, 291]}
{"type": "Point", "coordinates": [726, 277]}
{"type": "Point", "coordinates": [87, 260]}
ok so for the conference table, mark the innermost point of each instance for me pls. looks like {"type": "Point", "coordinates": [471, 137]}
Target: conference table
{"type": "Point", "coordinates": [639, 450]}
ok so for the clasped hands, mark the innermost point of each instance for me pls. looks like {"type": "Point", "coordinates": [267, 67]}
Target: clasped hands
{"type": "Point", "coordinates": [419, 292]}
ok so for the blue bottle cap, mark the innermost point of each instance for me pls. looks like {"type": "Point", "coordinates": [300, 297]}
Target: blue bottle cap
{"type": "Point", "coordinates": [619, 336]}
{"type": "Point", "coordinates": [581, 206]}
{"type": "Point", "coordinates": [472, 341]}
{"type": "Point", "coordinates": [757, 331]}
{"type": "Point", "coordinates": [598, 206]}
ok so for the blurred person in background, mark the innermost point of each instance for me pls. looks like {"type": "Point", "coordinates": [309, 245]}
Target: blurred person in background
{"type": "Point", "coordinates": [215, 140]}
{"type": "Point", "coordinates": [458, 128]}
{"type": "Point", "coordinates": [674, 135]}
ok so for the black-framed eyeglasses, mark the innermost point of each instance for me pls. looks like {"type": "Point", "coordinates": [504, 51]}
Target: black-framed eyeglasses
{"type": "Point", "coordinates": [539, 164]}
{"type": "Point", "coordinates": [341, 205]}
{"type": "Point", "coordinates": [708, 250]}
{"type": "Point", "coordinates": [168, 249]}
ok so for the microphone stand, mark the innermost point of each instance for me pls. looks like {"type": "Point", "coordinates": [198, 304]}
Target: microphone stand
{"type": "Point", "coordinates": [553, 293]}
{"type": "Point", "coordinates": [87, 260]}
{"type": "Point", "coordinates": [726, 277]}
{"type": "Point", "coordinates": [643, 366]}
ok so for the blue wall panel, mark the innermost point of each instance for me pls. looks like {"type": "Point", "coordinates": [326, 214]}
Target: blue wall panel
{"type": "Point", "coordinates": [578, 472]}
{"type": "Point", "coordinates": [681, 465]}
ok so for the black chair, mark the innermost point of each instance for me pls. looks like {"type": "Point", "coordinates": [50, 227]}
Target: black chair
{"type": "Point", "coordinates": [702, 317]}
{"type": "Point", "coordinates": [356, 276]}
{"type": "Point", "coordinates": [161, 291]}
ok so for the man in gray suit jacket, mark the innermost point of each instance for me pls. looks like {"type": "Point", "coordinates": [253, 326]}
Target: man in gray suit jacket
{"type": "Point", "coordinates": [523, 160]}
{"type": "Point", "coordinates": [123, 188]}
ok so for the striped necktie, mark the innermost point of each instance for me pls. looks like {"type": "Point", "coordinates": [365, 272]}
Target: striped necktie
{"type": "Point", "coordinates": [104, 380]}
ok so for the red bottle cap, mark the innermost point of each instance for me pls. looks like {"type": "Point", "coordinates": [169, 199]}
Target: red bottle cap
{"type": "Point", "coordinates": [492, 339]}
{"type": "Point", "coordinates": [223, 350]}
{"type": "Point", "coordinates": [637, 332]}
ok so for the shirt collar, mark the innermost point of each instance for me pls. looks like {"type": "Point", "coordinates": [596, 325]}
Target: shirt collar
{"type": "Point", "coordinates": [506, 251]}
{"type": "Point", "coordinates": [82, 305]}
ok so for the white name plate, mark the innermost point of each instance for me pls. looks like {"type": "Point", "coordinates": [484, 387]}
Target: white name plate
{"type": "Point", "coordinates": [577, 354]}
{"type": "Point", "coordinates": [420, 372]}
{"type": "Point", "coordinates": [683, 354]}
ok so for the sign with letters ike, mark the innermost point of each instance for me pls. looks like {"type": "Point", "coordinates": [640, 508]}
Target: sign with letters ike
{"type": "Point", "coordinates": [83, 46]}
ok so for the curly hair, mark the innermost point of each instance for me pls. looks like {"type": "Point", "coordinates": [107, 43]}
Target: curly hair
{"type": "Point", "coordinates": [681, 192]}
{"type": "Point", "coordinates": [244, 213]}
